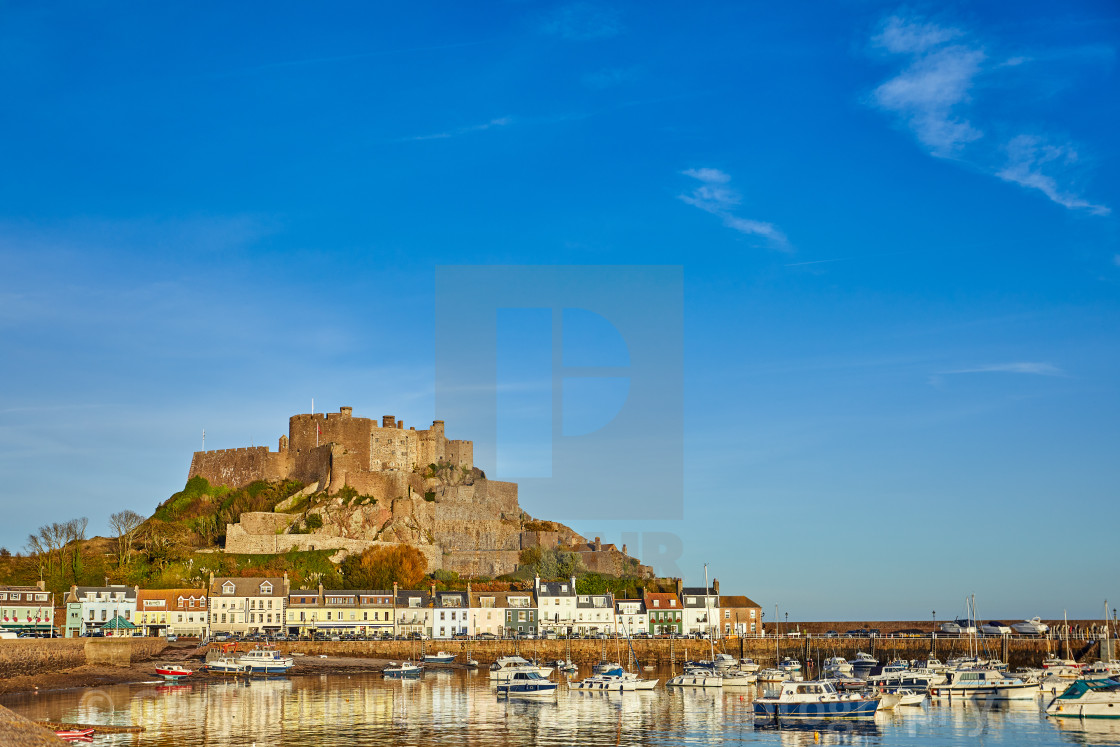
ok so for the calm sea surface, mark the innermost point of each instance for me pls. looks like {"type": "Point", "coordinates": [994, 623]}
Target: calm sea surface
{"type": "Point", "coordinates": [459, 708]}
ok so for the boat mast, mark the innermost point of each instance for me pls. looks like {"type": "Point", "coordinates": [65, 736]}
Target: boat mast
{"type": "Point", "coordinates": [708, 617]}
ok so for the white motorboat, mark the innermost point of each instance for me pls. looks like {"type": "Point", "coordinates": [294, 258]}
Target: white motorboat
{"type": "Point", "coordinates": [910, 698]}
{"type": "Point", "coordinates": [405, 669]}
{"type": "Point", "coordinates": [913, 678]}
{"type": "Point", "coordinates": [738, 678]}
{"type": "Point", "coordinates": [777, 674]}
{"type": "Point", "coordinates": [506, 666]}
{"type": "Point", "coordinates": [225, 665]}
{"type": "Point", "coordinates": [696, 678]}
{"type": "Point", "coordinates": [439, 658]}
{"type": "Point", "coordinates": [864, 659]}
{"type": "Point", "coordinates": [724, 661]}
{"type": "Point", "coordinates": [995, 627]}
{"type": "Point", "coordinates": [836, 665]}
{"type": "Point", "coordinates": [1034, 626]}
{"type": "Point", "coordinates": [1087, 699]}
{"type": "Point", "coordinates": [984, 683]}
{"type": "Point", "coordinates": [527, 684]}
{"type": "Point", "coordinates": [1065, 668]}
{"type": "Point", "coordinates": [266, 659]}
{"type": "Point", "coordinates": [748, 664]}
{"type": "Point", "coordinates": [790, 666]}
{"type": "Point", "coordinates": [813, 700]}
{"type": "Point", "coordinates": [618, 683]}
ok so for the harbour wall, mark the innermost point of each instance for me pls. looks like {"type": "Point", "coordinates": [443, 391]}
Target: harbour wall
{"type": "Point", "coordinates": [45, 655]}
{"type": "Point", "coordinates": [668, 652]}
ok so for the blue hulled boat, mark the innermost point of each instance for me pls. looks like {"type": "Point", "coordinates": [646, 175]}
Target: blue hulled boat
{"type": "Point", "coordinates": [813, 700]}
{"type": "Point", "coordinates": [527, 685]}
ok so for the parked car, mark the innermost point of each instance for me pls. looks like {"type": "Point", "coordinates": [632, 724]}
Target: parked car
{"type": "Point", "coordinates": [908, 633]}
{"type": "Point", "coordinates": [831, 634]}
{"type": "Point", "coordinates": [172, 638]}
{"type": "Point", "coordinates": [874, 633]}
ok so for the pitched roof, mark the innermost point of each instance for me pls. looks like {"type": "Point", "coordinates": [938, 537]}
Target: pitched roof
{"type": "Point", "coordinates": [247, 586]}
{"type": "Point", "coordinates": [737, 601]}
{"type": "Point", "coordinates": [555, 589]}
{"type": "Point", "coordinates": [664, 598]}
{"type": "Point", "coordinates": [76, 593]}
{"type": "Point", "coordinates": [588, 600]}
{"type": "Point", "coordinates": [501, 598]}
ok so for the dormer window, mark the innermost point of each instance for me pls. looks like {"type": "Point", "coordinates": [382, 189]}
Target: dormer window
{"type": "Point", "coordinates": [266, 588]}
{"type": "Point", "coordinates": [227, 587]}
{"type": "Point", "coordinates": [656, 602]}
{"type": "Point", "coordinates": [563, 588]}
{"type": "Point", "coordinates": [672, 602]}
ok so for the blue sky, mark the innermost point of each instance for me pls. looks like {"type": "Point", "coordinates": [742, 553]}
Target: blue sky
{"type": "Point", "coordinates": [897, 226]}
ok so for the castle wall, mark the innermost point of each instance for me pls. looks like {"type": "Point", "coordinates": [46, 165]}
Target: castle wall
{"type": "Point", "coordinates": [482, 563]}
{"type": "Point", "coordinates": [310, 465]}
{"type": "Point", "coordinates": [393, 449]}
{"type": "Point", "coordinates": [237, 467]}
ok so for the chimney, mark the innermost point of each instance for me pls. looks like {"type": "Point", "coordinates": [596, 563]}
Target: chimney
{"type": "Point", "coordinates": [41, 584]}
{"type": "Point", "coordinates": [573, 578]}
{"type": "Point", "coordinates": [106, 580]}
{"type": "Point", "coordinates": [715, 586]}
{"type": "Point", "coordinates": [320, 592]}
{"type": "Point", "coordinates": [680, 586]}
{"type": "Point", "coordinates": [394, 593]}
{"type": "Point", "coordinates": [537, 583]}
{"type": "Point", "coordinates": [598, 545]}
{"type": "Point", "coordinates": [433, 588]}
{"type": "Point", "coordinates": [468, 593]}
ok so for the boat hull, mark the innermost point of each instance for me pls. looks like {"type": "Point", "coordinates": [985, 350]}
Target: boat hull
{"type": "Point", "coordinates": [833, 709]}
{"type": "Point", "coordinates": [528, 690]}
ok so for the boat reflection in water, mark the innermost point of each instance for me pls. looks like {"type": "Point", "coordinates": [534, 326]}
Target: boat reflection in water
{"type": "Point", "coordinates": [463, 708]}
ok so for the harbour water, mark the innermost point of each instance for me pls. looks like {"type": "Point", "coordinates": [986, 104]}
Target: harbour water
{"type": "Point", "coordinates": [460, 708]}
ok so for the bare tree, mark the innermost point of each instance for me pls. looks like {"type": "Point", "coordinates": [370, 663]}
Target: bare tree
{"type": "Point", "coordinates": [74, 532]}
{"type": "Point", "coordinates": [125, 524]}
{"type": "Point", "coordinates": [37, 553]}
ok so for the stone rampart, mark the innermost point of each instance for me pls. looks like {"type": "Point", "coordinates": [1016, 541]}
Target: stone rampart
{"type": "Point", "coordinates": [656, 651]}
{"type": "Point", "coordinates": [237, 467]}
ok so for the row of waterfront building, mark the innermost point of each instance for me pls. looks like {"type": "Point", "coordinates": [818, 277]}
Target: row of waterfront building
{"type": "Point", "coordinates": [268, 606]}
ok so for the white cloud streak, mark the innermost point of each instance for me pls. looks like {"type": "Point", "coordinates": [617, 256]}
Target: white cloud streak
{"type": "Point", "coordinates": [499, 122]}
{"type": "Point", "coordinates": [1029, 158]}
{"type": "Point", "coordinates": [931, 96]}
{"type": "Point", "coordinates": [928, 92]}
{"type": "Point", "coordinates": [1021, 367]}
{"type": "Point", "coordinates": [716, 197]}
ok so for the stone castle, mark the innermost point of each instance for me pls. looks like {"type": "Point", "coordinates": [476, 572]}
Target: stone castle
{"type": "Point", "coordinates": [415, 487]}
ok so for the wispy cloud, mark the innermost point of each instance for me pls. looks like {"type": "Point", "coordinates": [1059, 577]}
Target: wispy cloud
{"type": "Point", "coordinates": [931, 96]}
{"type": "Point", "coordinates": [1021, 367]}
{"type": "Point", "coordinates": [499, 122]}
{"type": "Point", "coordinates": [582, 22]}
{"type": "Point", "coordinates": [927, 94]}
{"type": "Point", "coordinates": [715, 196]}
{"type": "Point", "coordinates": [1030, 158]}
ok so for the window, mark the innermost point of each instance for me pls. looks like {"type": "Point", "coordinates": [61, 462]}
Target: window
{"type": "Point", "coordinates": [227, 587]}
{"type": "Point", "coordinates": [727, 614]}
{"type": "Point", "coordinates": [656, 602]}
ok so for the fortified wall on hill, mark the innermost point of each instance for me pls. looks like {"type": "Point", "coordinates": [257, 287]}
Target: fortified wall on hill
{"type": "Point", "coordinates": [415, 487]}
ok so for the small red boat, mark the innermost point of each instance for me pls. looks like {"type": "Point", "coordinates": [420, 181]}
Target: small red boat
{"type": "Point", "coordinates": [82, 734]}
{"type": "Point", "coordinates": [173, 671]}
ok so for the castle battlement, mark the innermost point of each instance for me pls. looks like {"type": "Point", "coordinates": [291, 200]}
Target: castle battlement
{"type": "Point", "coordinates": [336, 449]}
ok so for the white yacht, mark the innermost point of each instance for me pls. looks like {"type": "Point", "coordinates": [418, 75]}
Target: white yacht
{"type": "Point", "coordinates": [836, 665]}
{"type": "Point", "coordinates": [505, 667]}
{"type": "Point", "coordinates": [1087, 699]}
{"type": "Point", "coordinates": [724, 661]}
{"type": "Point", "coordinates": [984, 683]}
{"type": "Point", "coordinates": [266, 660]}
{"type": "Point", "coordinates": [696, 678]}
{"type": "Point", "coordinates": [738, 678]}
{"type": "Point", "coordinates": [748, 664]}
{"type": "Point", "coordinates": [1034, 626]}
{"type": "Point", "coordinates": [618, 683]}
{"type": "Point", "coordinates": [864, 659]}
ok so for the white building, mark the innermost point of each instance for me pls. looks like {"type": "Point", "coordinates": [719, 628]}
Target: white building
{"type": "Point", "coordinates": [630, 617]}
{"type": "Point", "coordinates": [414, 613]}
{"type": "Point", "coordinates": [451, 614]}
{"type": "Point", "coordinates": [594, 614]}
{"type": "Point", "coordinates": [701, 609]}
{"type": "Point", "coordinates": [556, 605]}
{"type": "Point", "coordinates": [242, 606]}
{"type": "Point", "coordinates": [88, 608]}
